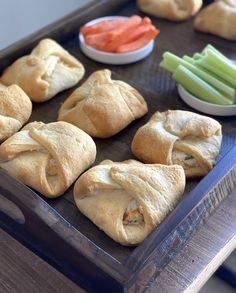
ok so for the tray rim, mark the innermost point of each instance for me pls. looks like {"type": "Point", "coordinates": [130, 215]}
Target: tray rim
{"type": "Point", "coordinates": [17, 47]}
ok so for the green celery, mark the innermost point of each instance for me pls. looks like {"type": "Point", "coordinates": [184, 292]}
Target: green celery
{"type": "Point", "coordinates": [210, 47]}
{"type": "Point", "coordinates": [168, 66]}
{"type": "Point", "coordinates": [188, 59]}
{"type": "Point", "coordinates": [198, 87]}
{"type": "Point", "coordinates": [219, 73]}
{"type": "Point", "coordinates": [197, 56]}
{"type": "Point", "coordinates": [216, 61]}
{"type": "Point", "coordinates": [171, 62]}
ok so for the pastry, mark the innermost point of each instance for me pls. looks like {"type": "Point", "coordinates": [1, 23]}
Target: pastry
{"type": "Point", "coordinates": [179, 137]}
{"type": "Point", "coordinates": [47, 157]}
{"type": "Point", "coordinates": [218, 18]}
{"type": "Point", "coordinates": [15, 110]}
{"type": "Point", "coordinates": [48, 70]}
{"type": "Point", "coordinates": [175, 10]}
{"type": "Point", "coordinates": [128, 200]}
{"type": "Point", "coordinates": [101, 106]}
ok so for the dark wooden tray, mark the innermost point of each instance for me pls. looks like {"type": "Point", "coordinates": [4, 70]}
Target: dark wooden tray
{"type": "Point", "coordinates": [55, 229]}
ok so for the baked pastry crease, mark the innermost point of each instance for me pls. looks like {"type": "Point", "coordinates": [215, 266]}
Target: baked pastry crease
{"type": "Point", "coordinates": [179, 137]}
{"type": "Point", "coordinates": [175, 10]}
{"type": "Point", "coordinates": [48, 70]}
{"type": "Point", "coordinates": [101, 106]}
{"type": "Point", "coordinates": [218, 18]}
{"type": "Point", "coordinates": [47, 157]}
{"type": "Point", "coordinates": [15, 110]}
{"type": "Point", "coordinates": [128, 200]}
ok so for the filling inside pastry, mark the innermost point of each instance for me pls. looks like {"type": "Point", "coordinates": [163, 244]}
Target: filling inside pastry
{"type": "Point", "coordinates": [133, 214]}
{"type": "Point", "coordinates": [54, 63]}
{"type": "Point", "coordinates": [185, 160]}
{"type": "Point", "coordinates": [51, 167]}
{"type": "Point", "coordinates": [51, 64]}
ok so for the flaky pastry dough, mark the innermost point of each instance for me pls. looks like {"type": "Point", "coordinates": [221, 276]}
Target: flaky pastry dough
{"type": "Point", "coordinates": [48, 70]}
{"type": "Point", "coordinates": [128, 200]}
{"type": "Point", "coordinates": [47, 157]}
{"type": "Point", "coordinates": [15, 110]}
{"type": "Point", "coordinates": [218, 18]}
{"type": "Point", "coordinates": [101, 106]}
{"type": "Point", "coordinates": [175, 10]}
{"type": "Point", "coordinates": [179, 137]}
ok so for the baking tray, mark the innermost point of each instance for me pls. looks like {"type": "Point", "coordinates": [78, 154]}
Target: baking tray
{"type": "Point", "coordinates": [55, 229]}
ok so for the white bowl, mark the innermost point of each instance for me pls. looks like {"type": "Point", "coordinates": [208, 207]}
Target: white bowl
{"type": "Point", "coordinates": [113, 58]}
{"type": "Point", "coordinates": [202, 106]}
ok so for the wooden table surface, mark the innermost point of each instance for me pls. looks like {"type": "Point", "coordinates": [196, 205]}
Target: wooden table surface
{"type": "Point", "coordinates": [23, 271]}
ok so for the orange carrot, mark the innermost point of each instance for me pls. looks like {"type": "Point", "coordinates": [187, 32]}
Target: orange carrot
{"type": "Point", "coordinates": [107, 25]}
{"type": "Point", "coordinates": [102, 26]}
{"type": "Point", "coordinates": [124, 35]}
{"type": "Point", "coordinates": [127, 36]}
{"type": "Point", "coordinates": [140, 42]}
{"type": "Point", "coordinates": [118, 33]}
{"type": "Point", "coordinates": [95, 39]}
{"type": "Point", "coordinates": [146, 20]}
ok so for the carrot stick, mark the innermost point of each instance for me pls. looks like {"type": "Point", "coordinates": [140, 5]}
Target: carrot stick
{"type": "Point", "coordinates": [146, 20]}
{"type": "Point", "coordinates": [140, 42]}
{"type": "Point", "coordinates": [130, 24]}
{"type": "Point", "coordinates": [102, 26]}
{"type": "Point", "coordinates": [94, 39]}
{"type": "Point", "coordinates": [124, 35]}
{"type": "Point", "coordinates": [107, 25]}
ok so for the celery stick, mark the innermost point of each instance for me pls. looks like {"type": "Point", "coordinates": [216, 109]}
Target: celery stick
{"type": "Point", "coordinates": [172, 61]}
{"type": "Point", "coordinates": [198, 87]}
{"type": "Point", "coordinates": [210, 47]}
{"type": "Point", "coordinates": [168, 66]}
{"type": "Point", "coordinates": [213, 59]}
{"type": "Point", "coordinates": [188, 59]}
{"type": "Point", "coordinates": [217, 72]}
{"type": "Point", "coordinates": [197, 56]}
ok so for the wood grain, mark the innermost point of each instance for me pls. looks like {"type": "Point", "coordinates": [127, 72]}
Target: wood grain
{"type": "Point", "coordinates": [203, 254]}
{"type": "Point", "coordinates": [23, 271]}
{"type": "Point", "coordinates": [187, 271]}
{"type": "Point", "coordinates": [90, 253]}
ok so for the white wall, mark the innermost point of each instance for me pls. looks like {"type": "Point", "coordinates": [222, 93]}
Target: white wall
{"type": "Point", "coordinates": [19, 18]}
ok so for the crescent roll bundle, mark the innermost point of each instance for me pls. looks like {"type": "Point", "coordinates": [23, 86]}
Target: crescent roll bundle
{"type": "Point", "coordinates": [179, 137]}
{"type": "Point", "coordinates": [101, 106]}
{"type": "Point", "coordinates": [128, 200]}
{"type": "Point", "coordinates": [15, 110]}
{"type": "Point", "coordinates": [218, 18]}
{"type": "Point", "coordinates": [48, 70]}
{"type": "Point", "coordinates": [47, 157]}
{"type": "Point", "coordinates": [175, 10]}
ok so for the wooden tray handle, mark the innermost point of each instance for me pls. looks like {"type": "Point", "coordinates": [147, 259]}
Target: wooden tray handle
{"type": "Point", "coordinates": [10, 209]}
{"type": "Point", "coordinates": [33, 222]}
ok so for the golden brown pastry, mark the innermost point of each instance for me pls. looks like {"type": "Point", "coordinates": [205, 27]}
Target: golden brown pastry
{"type": "Point", "coordinates": [128, 200]}
{"type": "Point", "coordinates": [48, 70]}
{"type": "Point", "coordinates": [15, 110]}
{"type": "Point", "coordinates": [218, 18]}
{"type": "Point", "coordinates": [179, 137]}
{"type": "Point", "coordinates": [101, 106]}
{"type": "Point", "coordinates": [175, 10]}
{"type": "Point", "coordinates": [47, 157]}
